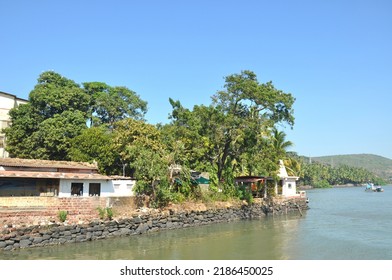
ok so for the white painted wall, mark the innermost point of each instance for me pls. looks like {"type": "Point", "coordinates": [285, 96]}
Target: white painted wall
{"type": "Point", "coordinates": [7, 102]}
{"type": "Point", "coordinates": [65, 186]}
{"type": "Point", "coordinates": [110, 188]}
{"type": "Point", "coordinates": [123, 187]}
{"type": "Point", "coordinates": [289, 187]}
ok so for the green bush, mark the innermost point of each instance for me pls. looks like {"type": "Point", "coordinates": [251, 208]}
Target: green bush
{"type": "Point", "coordinates": [62, 215]}
{"type": "Point", "coordinates": [105, 212]}
{"type": "Point", "coordinates": [162, 198]}
{"type": "Point", "coordinates": [220, 196]}
{"type": "Point", "coordinates": [109, 213]}
{"type": "Point", "coordinates": [249, 198]}
{"type": "Point", "coordinates": [322, 184]}
{"type": "Point", "coordinates": [245, 193]}
{"type": "Point", "coordinates": [101, 212]}
{"type": "Point", "coordinates": [178, 197]}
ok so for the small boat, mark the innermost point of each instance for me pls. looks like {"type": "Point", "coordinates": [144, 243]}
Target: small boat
{"type": "Point", "coordinates": [371, 188]}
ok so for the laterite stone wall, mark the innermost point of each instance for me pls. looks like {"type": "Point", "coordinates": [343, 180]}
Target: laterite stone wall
{"type": "Point", "coordinates": [57, 233]}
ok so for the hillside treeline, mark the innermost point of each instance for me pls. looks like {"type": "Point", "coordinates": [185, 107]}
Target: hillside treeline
{"type": "Point", "coordinates": [324, 175]}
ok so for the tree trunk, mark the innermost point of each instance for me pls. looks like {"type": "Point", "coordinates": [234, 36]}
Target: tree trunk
{"type": "Point", "coordinates": [222, 160]}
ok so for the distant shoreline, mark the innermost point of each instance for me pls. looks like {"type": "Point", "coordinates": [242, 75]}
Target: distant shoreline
{"type": "Point", "coordinates": [308, 187]}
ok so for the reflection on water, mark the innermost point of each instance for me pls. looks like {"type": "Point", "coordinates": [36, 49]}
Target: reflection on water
{"type": "Point", "coordinates": [345, 223]}
{"type": "Point", "coordinates": [256, 239]}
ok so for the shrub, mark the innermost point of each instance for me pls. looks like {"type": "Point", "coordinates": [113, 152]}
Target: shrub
{"type": "Point", "coordinates": [105, 212]}
{"type": "Point", "coordinates": [109, 213]}
{"type": "Point", "coordinates": [162, 198]}
{"type": "Point", "coordinates": [249, 197]}
{"type": "Point", "coordinates": [178, 197]}
{"type": "Point", "coordinates": [322, 184]}
{"type": "Point", "coordinates": [101, 212]}
{"type": "Point", "coordinates": [62, 215]}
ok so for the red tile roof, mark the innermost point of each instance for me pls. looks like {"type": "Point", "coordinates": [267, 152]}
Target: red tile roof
{"type": "Point", "coordinates": [37, 163]}
{"type": "Point", "coordinates": [52, 175]}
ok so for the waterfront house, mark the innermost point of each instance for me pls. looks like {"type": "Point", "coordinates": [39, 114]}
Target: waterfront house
{"type": "Point", "coordinates": [284, 187]}
{"type": "Point", "coordinates": [31, 177]}
{"type": "Point", "coordinates": [256, 184]}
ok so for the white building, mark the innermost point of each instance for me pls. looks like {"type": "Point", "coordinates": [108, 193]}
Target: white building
{"type": "Point", "coordinates": [30, 177]}
{"type": "Point", "coordinates": [95, 187]}
{"type": "Point", "coordinates": [288, 183]}
{"type": "Point", "coordinates": [7, 102]}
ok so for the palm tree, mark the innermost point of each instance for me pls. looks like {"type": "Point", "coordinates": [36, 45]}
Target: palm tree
{"type": "Point", "coordinates": [293, 167]}
{"type": "Point", "coordinates": [279, 143]}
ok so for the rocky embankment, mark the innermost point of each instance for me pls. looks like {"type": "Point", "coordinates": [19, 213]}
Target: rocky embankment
{"type": "Point", "coordinates": [12, 238]}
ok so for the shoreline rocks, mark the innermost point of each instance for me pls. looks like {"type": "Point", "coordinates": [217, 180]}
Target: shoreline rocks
{"type": "Point", "coordinates": [57, 234]}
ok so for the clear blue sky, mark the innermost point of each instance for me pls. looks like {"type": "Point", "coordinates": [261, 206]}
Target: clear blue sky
{"type": "Point", "coordinates": [335, 57]}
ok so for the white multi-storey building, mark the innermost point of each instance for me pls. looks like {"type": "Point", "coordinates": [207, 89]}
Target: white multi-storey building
{"type": "Point", "coordinates": [7, 102]}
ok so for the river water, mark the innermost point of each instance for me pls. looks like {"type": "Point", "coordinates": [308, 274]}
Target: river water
{"type": "Point", "coordinates": [341, 224]}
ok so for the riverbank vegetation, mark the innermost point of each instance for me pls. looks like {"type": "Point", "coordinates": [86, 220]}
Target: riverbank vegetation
{"type": "Point", "coordinates": [323, 175]}
{"type": "Point", "coordinates": [236, 134]}
{"type": "Point", "coordinates": [378, 165]}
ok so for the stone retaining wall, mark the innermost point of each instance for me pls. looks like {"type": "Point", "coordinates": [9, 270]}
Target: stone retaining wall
{"type": "Point", "coordinates": [44, 210]}
{"type": "Point", "coordinates": [37, 236]}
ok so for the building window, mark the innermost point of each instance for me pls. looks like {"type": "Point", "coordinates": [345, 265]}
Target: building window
{"type": "Point", "coordinates": [129, 186]}
{"type": "Point", "coordinates": [289, 185]}
{"type": "Point", "coordinates": [116, 186]}
{"type": "Point", "coordinates": [49, 187]}
{"type": "Point", "coordinates": [94, 189]}
{"type": "Point", "coordinates": [77, 189]}
{"type": "Point", "coordinates": [3, 124]}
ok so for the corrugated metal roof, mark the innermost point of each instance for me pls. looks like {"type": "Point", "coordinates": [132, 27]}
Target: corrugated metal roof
{"type": "Point", "coordinates": [37, 163]}
{"type": "Point", "coordinates": [249, 179]}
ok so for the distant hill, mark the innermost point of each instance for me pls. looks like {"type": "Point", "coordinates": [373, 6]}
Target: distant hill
{"type": "Point", "coordinates": [379, 165]}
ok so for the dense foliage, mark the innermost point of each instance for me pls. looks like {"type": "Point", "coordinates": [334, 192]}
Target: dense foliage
{"type": "Point", "coordinates": [379, 165]}
{"type": "Point", "coordinates": [59, 110]}
{"type": "Point", "coordinates": [237, 134]}
{"type": "Point", "coordinates": [324, 175]}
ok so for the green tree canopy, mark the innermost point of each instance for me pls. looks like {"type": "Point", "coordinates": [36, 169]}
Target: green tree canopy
{"type": "Point", "coordinates": [234, 129]}
{"type": "Point", "coordinates": [55, 94]}
{"type": "Point", "coordinates": [131, 137]}
{"type": "Point", "coordinates": [111, 104]}
{"type": "Point", "coordinates": [52, 139]}
{"type": "Point", "coordinates": [318, 174]}
{"type": "Point", "coordinates": [58, 111]}
{"type": "Point", "coordinates": [96, 144]}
